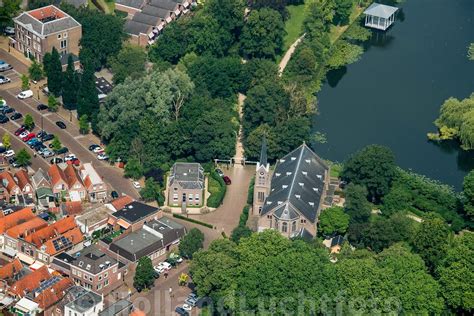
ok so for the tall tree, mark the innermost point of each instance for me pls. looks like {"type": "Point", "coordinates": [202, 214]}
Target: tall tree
{"type": "Point", "coordinates": [431, 241]}
{"type": "Point", "coordinates": [23, 158]}
{"type": "Point", "coordinates": [52, 67]}
{"type": "Point", "coordinates": [333, 220]}
{"type": "Point", "coordinates": [191, 243]}
{"type": "Point", "coordinates": [262, 35]}
{"type": "Point", "coordinates": [468, 192]}
{"type": "Point", "coordinates": [29, 122]}
{"type": "Point", "coordinates": [8, 10]}
{"type": "Point", "coordinates": [6, 141]}
{"type": "Point", "coordinates": [129, 62]}
{"type": "Point", "coordinates": [373, 167]}
{"type": "Point", "coordinates": [456, 273]}
{"type": "Point", "coordinates": [87, 96]}
{"type": "Point", "coordinates": [228, 13]}
{"type": "Point", "coordinates": [71, 82]}
{"type": "Point", "coordinates": [356, 205]}
{"type": "Point", "coordinates": [35, 71]}
{"type": "Point", "coordinates": [144, 273]}
{"type": "Point", "coordinates": [342, 12]}
{"type": "Point", "coordinates": [277, 5]}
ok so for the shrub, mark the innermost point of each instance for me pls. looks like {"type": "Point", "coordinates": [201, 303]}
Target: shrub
{"type": "Point", "coordinates": [244, 216]}
{"type": "Point", "coordinates": [192, 220]}
{"type": "Point", "coordinates": [250, 193]}
{"type": "Point", "coordinates": [217, 189]}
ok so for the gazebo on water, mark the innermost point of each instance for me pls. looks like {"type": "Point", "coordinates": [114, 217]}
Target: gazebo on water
{"type": "Point", "coordinates": [380, 16]}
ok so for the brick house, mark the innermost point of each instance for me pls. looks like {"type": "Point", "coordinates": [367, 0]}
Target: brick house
{"type": "Point", "coordinates": [24, 183]}
{"type": "Point", "coordinates": [40, 179]}
{"type": "Point", "coordinates": [93, 183]}
{"type": "Point", "coordinates": [8, 188]}
{"type": "Point", "coordinates": [58, 181]}
{"type": "Point", "coordinates": [92, 269]}
{"type": "Point", "coordinates": [186, 184]}
{"type": "Point", "coordinates": [39, 30]}
{"type": "Point", "coordinates": [77, 191]}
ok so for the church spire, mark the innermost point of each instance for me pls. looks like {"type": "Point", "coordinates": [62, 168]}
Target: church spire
{"type": "Point", "coordinates": [263, 152]}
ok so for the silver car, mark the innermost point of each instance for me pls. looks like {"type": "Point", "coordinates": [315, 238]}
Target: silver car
{"type": "Point", "coordinates": [5, 67]}
{"type": "Point", "coordinates": [4, 79]}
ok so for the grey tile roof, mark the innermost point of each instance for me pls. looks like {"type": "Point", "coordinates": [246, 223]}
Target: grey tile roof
{"type": "Point", "coordinates": [93, 260]}
{"type": "Point", "coordinates": [165, 4]}
{"type": "Point", "coordinates": [137, 4]}
{"type": "Point", "coordinates": [39, 176]}
{"type": "Point", "coordinates": [297, 184]}
{"type": "Point", "coordinates": [188, 175]}
{"type": "Point", "coordinates": [380, 10]}
{"type": "Point", "coordinates": [47, 28]}
{"type": "Point", "coordinates": [146, 19]}
{"type": "Point", "coordinates": [135, 28]}
{"type": "Point", "coordinates": [155, 11]}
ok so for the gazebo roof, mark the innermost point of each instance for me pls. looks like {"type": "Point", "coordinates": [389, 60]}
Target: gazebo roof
{"type": "Point", "coordinates": [380, 10]}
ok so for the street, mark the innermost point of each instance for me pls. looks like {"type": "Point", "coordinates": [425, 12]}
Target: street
{"type": "Point", "coordinates": [69, 137]}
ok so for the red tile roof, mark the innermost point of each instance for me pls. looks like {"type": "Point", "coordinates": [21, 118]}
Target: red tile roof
{"type": "Point", "coordinates": [22, 178]}
{"type": "Point", "coordinates": [60, 227]}
{"type": "Point", "coordinates": [56, 174]}
{"type": "Point", "coordinates": [26, 228]}
{"type": "Point", "coordinates": [120, 202]}
{"type": "Point", "coordinates": [87, 182]}
{"type": "Point", "coordinates": [6, 177]}
{"type": "Point", "coordinates": [72, 177]}
{"type": "Point", "coordinates": [15, 219]}
{"type": "Point", "coordinates": [72, 207]}
{"type": "Point", "coordinates": [75, 236]}
{"type": "Point", "coordinates": [10, 269]}
{"type": "Point", "coordinates": [137, 312]}
{"type": "Point", "coordinates": [53, 294]}
{"type": "Point", "coordinates": [30, 281]}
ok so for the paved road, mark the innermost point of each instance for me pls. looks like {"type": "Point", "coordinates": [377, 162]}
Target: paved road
{"type": "Point", "coordinates": [286, 58]}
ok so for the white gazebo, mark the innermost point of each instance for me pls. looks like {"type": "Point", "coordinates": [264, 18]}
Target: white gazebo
{"type": "Point", "coordinates": [380, 16]}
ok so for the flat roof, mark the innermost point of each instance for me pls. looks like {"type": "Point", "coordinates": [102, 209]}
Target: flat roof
{"type": "Point", "coordinates": [137, 241]}
{"type": "Point", "coordinates": [116, 307]}
{"type": "Point", "coordinates": [135, 211]}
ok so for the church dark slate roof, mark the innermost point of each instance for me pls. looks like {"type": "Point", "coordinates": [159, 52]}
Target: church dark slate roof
{"type": "Point", "coordinates": [297, 185]}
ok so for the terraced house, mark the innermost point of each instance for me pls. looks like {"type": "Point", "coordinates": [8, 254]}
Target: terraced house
{"type": "Point", "coordinates": [38, 31]}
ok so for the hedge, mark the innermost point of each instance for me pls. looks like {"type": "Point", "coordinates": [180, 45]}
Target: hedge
{"type": "Point", "coordinates": [217, 188]}
{"type": "Point", "coordinates": [244, 216]}
{"type": "Point", "coordinates": [250, 192]}
{"type": "Point", "coordinates": [192, 220]}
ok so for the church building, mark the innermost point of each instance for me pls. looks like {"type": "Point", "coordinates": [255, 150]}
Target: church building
{"type": "Point", "coordinates": [290, 198]}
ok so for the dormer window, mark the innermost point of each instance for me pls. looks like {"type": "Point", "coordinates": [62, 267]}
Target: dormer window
{"type": "Point", "coordinates": [293, 158]}
{"type": "Point", "coordinates": [277, 174]}
{"type": "Point", "coordinates": [284, 186]}
{"type": "Point", "coordinates": [298, 196]}
{"type": "Point", "coordinates": [304, 173]}
{"type": "Point", "coordinates": [288, 173]}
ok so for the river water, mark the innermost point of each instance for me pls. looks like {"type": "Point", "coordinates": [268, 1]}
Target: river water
{"type": "Point", "coordinates": [393, 94]}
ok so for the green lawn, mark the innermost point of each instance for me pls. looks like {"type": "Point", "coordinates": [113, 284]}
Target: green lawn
{"type": "Point", "coordinates": [294, 25]}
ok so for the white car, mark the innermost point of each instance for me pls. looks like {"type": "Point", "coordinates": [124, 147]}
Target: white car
{"type": "Point", "coordinates": [98, 150]}
{"type": "Point", "coordinates": [187, 307]}
{"type": "Point", "coordinates": [70, 157]}
{"type": "Point", "coordinates": [165, 265]}
{"type": "Point", "coordinates": [4, 79]}
{"type": "Point", "coordinates": [102, 157]}
{"type": "Point", "coordinates": [9, 153]}
{"type": "Point", "coordinates": [24, 134]}
{"type": "Point", "coordinates": [159, 269]}
{"type": "Point", "coordinates": [136, 185]}
{"type": "Point", "coordinates": [25, 94]}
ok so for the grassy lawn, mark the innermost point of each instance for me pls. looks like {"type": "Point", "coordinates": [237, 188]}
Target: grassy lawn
{"type": "Point", "coordinates": [336, 31]}
{"type": "Point", "coordinates": [294, 25]}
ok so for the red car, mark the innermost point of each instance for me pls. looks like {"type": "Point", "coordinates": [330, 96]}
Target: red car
{"type": "Point", "coordinates": [226, 180]}
{"type": "Point", "coordinates": [74, 162]}
{"type": "Point", "coordinates": [19, 131]}
{"type": "Point", "coordinates": [28, 137]}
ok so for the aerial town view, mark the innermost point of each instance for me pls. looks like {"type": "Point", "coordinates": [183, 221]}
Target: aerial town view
{"type": "Point", "coordinates": [236, 157]}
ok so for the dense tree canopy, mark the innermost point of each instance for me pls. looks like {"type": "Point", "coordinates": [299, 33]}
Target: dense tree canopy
{"type": "Point", "coordinates": [262, 35]}
{"type": "Point", "coordinates": [70, 85]}
{"type": "Point", "coordinates": [333, 220]}
{"type": "Point", "coordinates": [372, 167]}
{"type": "Point", "coordinates": [53, 69]}
{"type": "Point", "coordinates": [468, 191]}
{"type": "Point", "coordinates": [144, 273]}
{"type": "Point", "coordinates": [357, 206]}
{"type": "Point", "coordinates": [129, 62]}
{"type": "Point", "coordinates": [191, 243]}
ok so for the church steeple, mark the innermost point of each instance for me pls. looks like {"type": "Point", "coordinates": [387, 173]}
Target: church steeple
{"type": "Point", "coordinates": [263, 152]}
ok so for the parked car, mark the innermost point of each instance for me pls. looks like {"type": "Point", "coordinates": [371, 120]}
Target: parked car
{"type": "Point", "coordinates": [166, 266]}
{"type": "Point", "coordinates": [93, 146]}
{"type": "Point", "coordinates": [159, 269]}
{"type": "Point", "coordinates": [41, 133]}
{"type": "Point", "coordinates": [4, 80]}
{"type": "Point", "coordinates": [114, 194]}
{"type": "Point", "coordinates": [25, 94]}
{"type": "Point", "coordinates": [74, 162]}
{"type": "Point", "coordinates": [48, 137]}
{"type": "Point", "coordinates": [56, 160]}
{"type": "Point", "coordinates": [32, 142]}
{"type": "Point", "coordinates": [220, 172]}
{"type": "Point", "coordinates": [2, 149]}
{"type": "Point", "coordinates": [42, 107]}
{"type": "Point", "coordinates": [181, 311]}
{"type": "Point", "coordinates": [62, 151]}
{"type": "Point", "coordinates": [61, 125]}
{"type": "Point", "coordinates": [70, 157]}
{"type": "Point", "coordinates": [102, 157]}
{"type": "Point", "coordinates": [9, 30]}
{"type": "Point", "coordinates": [16, 116]}
{"type": "Point", "coordinates": [5, 67]}
{"type": "Point", "coordinates": [7, 110]}
{"type": "Point", "coordinates": [192, 301]}
{"type": "Point", "coordinates": [11, 160]}
{"type": "Point", "coordinates": [136, 185]}
{"type": "Point", "coordinates": [9, 153]}
{"type": "Point", "coordinates": [28, 137]}
{"type": "Point", "coordinates": [98, 150]}
{"type": "Point", "coordinates": [3, 119]}
{"type": "Point", "coordinates": [47, 153]}
{"type": "Point", "coordinates": [24, 133]}
{"type": "Point", "coordinates": [19, 131]}
{"type": "Point", "coordinates": [38, 147]}
{"type": "Point", "coordinates": [227, 180]}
